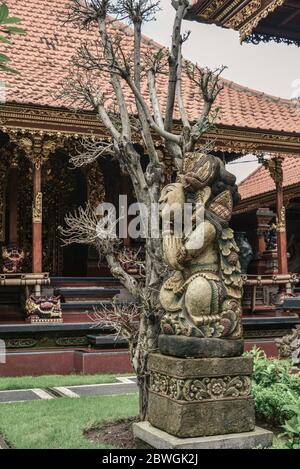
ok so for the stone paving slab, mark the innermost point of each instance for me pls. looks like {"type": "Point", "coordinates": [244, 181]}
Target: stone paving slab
{"type": "Point", "coordinates": [124, 385]}
{"type": "Point", "coordinates": [104, 389]}
{"type": "Point", "coordinates": [127, 379]}
{"type": "Point", "coordinates": [18, 395]}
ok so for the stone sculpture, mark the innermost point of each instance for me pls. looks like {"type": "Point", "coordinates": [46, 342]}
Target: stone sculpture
{"type": "Point", "coordinates": [246, 251]}
{"type": "Point", "coordinates": [271, 237]}
{"type": "Point", "coordinates": [200, 385]}
{"type": "Point", "coordinates": [289, 346]}
{"type": "Point", "coordinates": [202, 299]}
{"type": "Point", "coordinates": [44, 309]}
{"type": "Point", "coordinates": [13, 260]}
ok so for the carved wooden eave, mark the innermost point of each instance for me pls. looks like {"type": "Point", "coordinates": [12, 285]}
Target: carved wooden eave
{"type": "Point", "coordinates": [234, 142]}
{"type": "Point", "coordinates": [50, 121]}
{"type": "Point", "coordinates": [256, 20]}
{"type": "Point", "coordinates": [267, 200]}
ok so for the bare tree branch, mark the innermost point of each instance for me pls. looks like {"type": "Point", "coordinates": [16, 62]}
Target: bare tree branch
{"type": "Point", "coordinates": [154, 99]}
{"type": "Point", "coordinates": [122, 319]}
{"type": "Point", "coordinates": [89, 150]}
{"type": "Point", "coordinates": [180, 101]}
{"type": "Point", "coordinates": [209, 85]}
{"type": "Point", "coordinates": [110, 56]}
{"type": "Point", "coordinates": [182, 7]}
{"type": "Point", "coordinates": [110, 77]}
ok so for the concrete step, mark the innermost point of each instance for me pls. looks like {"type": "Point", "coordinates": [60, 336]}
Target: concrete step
{"type": "Point", "coordinates": [61, 282]}
{"type": "Point", "coordinates": [88, 305]}
{"type": "Point", "coordinates": [85, 293]}
{"type": "Point", "coordinates": [106, 341]}
{"type": "Point", "coordinates": [292, 303]}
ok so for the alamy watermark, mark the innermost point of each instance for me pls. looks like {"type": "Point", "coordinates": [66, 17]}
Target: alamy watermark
{"type": "Point", "coordinates": [2, 92]}
{"type": "Point", "coordinates": [139, 221]}
{"type": "Point", "coordinates": [2, 352]}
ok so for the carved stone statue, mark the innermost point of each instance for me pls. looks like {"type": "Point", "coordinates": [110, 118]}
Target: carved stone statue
{"type": "Point", "coordinates": [246, 251]}
{"type": "Point", "coordinates": [44, 308]}
{"type": "Point", "coordinates": [200, 384]}
{"type": "Point", "coordinates": [271, 237]}
{"type": "Point", "coordinates": [13, 260]}
{"type": "Point", "coordinates": [202, 298]}
{"type": "Point", "coordinates": [289, 346]}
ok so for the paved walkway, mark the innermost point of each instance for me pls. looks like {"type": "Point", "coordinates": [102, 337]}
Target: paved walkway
{"type": "Point", "coordinates": [126, 385]}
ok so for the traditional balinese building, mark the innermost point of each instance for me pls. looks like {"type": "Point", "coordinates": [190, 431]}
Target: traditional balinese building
{"type": "Point", "coordinates": [256, 216]}
{"type": "Point", "coordinates": [265, 283]}
{"type": "Point", "coordinates": [256, 20]}
{"type": "Point", "coordinates": [38, 187]}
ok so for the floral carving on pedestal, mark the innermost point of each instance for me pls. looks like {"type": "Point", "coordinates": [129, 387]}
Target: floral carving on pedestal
{"type": "Point", "coordinates": [200, 389]}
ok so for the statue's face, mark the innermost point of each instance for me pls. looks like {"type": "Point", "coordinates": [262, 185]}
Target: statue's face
{"type": "Point", "coordinates": [172, 198]}
{"type": "Point", "coordinates": [199, 171]}
{"type": "Point", "coordinates": [12, 253]}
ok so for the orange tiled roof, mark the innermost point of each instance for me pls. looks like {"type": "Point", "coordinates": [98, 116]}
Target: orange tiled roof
{"type": "Point", "coordinates": [260, 182]}
{"type": "Point", "coordinates": [43, 55]}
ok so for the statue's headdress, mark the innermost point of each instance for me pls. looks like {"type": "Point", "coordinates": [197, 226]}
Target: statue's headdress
{"type": "Point", "coordinates": [222, 206]}
{"type": "Point", "coordinates": [199, 170]}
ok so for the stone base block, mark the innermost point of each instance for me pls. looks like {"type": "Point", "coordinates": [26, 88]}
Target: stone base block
{"type": "Point", "coordinates": [193, 347]}
{"type": "Point", "coordinates": [161, 440]}
{"type": "Point", "coordinates": [201, 397]}
{"type": "Point", "coordinates": [213, 417]}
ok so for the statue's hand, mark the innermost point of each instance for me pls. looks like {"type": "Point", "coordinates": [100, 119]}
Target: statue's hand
{"type": "Point", "coordinates": [172, 245]}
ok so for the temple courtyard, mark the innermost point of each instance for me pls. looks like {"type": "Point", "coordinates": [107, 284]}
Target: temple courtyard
{"type": "Point", "coordinates": [97, 411]}
{"type": "Point", "coordinates": [149, 228]}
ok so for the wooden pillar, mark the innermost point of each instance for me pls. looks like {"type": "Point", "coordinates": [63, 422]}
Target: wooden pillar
{"type": "Point", "coordinates": [13, 206]}
{"type": "Point", "coordinates": [274, 165]}
{"type": "Point", "coordinates": [37, 148]}
{"type": "Point", "coordinates": [263, 217]}
{"type": "Point", "coordinates": [281, 231]}
{"type": "Point", "coordinates": [37, 219]}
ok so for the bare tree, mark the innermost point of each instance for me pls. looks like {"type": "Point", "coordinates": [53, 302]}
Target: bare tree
{"type": "Point", "coordinates": [130, 73]}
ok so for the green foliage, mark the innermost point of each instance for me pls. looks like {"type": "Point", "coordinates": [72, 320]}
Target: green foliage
{"type": "Point", "coordinates": [268, 372]}
{"type": "Point", "coordinates": [270, 403]}
{"type": "Point", "coordinates": [292, 426]}
{"type": "Point", "coordinates": [277, 396]}
{"type": "Point", "coordinates": [7, 30]}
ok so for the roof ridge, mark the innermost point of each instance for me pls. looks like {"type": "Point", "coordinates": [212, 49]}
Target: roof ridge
{"type": "Point", "coordinates": [51, 48]}
{"type": "Point", "coordinates": [294, 103]}
{"type": "Point", "coordinates": [230, 83]}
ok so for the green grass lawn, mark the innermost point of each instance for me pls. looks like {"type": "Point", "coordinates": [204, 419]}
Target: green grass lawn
{"type": "Point", "coordinates": [59, 423]}
{"type": "Point", "coordinates": [27, 382]}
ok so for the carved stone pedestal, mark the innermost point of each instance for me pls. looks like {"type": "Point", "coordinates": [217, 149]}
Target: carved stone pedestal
{"type": "Point", "coordinates": [202, 396]}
